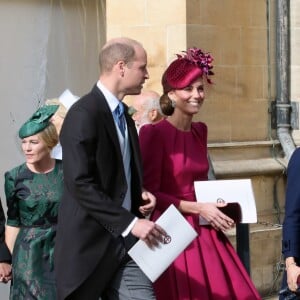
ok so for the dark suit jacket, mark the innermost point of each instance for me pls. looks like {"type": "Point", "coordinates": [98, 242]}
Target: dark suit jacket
{"type": "Point", "coordinates": [91, 217]}
{"type": "Point", "coordinates": [4, 252]}
{"type": "Point", "coordinates": [291, 224]}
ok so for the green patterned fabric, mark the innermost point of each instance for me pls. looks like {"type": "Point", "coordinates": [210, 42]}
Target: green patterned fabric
{"type": "Point", "coordinates": [32, 203]}
{"type": "Point", "coordinates": [38, 121]}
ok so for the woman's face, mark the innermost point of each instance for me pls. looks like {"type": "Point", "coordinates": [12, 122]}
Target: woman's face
{"type": "Point", "coordinates": [189, 99]}
{"type": "Point", "coordinates": [35, 149]}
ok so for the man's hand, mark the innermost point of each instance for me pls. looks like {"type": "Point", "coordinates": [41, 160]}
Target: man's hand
{"type": "Point", "coordinates": [293, 273]}
{"type": "Point", "coordinates": [5, 272]}
{"type": "Point", "coordinates": [149, 232]}
{"type": "Point", "coordinates": [149, 201]}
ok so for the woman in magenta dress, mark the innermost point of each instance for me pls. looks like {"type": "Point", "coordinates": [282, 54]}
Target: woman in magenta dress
{"type": "Point", "coordinates": [174, 153]}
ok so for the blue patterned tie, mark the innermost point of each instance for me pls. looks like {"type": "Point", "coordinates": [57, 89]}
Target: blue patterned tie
{"type": "Point", "coordinates": [119, 117]}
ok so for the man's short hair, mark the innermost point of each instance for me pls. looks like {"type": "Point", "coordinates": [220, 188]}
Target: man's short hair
{"type": "Point", "coordinates": [116, 50]}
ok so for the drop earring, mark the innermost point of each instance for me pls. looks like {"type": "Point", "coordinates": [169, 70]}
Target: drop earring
{"type": "Point", "coordinates": [173, 103]}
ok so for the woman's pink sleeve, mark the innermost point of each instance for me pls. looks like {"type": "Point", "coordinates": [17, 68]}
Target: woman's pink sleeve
{"type": "Point", "coordinates": [153, 157]}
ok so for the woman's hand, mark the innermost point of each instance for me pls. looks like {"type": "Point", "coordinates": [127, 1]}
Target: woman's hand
{"type": "Point", "coordinates": [214, 216]}
{"type": "Point", "coordinates": [210, 212]}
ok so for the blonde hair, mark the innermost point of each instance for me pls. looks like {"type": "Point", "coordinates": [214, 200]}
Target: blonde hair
{"type": "Point", "coordinates": [61, 111]}
{"type": "Point", "coordinates": [49, 136]}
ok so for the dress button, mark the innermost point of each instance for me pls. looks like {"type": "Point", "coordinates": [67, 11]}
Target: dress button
{"type": "Point", "coordinates": [122, 195]}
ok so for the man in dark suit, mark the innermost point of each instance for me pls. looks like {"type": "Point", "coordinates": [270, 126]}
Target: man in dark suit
{"type": "Point", "coordinates": [291, 229]}
{"type": "Point", "coordinates": [5, 256]}
{"type": "Point", "coordinates": [101, 213]}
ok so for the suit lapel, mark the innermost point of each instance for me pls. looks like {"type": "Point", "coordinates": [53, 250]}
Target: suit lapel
{"type": "Point", "coordinates": [108, 120]}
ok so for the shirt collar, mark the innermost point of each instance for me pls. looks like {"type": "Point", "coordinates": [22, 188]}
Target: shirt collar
{"type": "Point", "coordinates": [111, 99]}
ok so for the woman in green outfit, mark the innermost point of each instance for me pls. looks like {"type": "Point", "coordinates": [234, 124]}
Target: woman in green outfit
{"type": "Point", "coordinates": [33, 191]}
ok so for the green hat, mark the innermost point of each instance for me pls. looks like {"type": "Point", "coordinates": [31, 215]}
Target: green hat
{"type": "Point", "coordinates": [38, 121]}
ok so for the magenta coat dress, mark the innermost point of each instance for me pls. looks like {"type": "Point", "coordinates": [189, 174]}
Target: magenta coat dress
{"type": "Point", "coordinates": [209, 268]}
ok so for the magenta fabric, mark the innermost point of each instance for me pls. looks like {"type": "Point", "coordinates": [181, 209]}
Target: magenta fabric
{"type": "Point", "coordinates": [209, 268]}
{"type": "Point", "coordinates": [180, 74]}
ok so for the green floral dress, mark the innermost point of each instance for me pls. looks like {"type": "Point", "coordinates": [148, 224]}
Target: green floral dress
{"type": "Point", "coordinates": [32, 205]}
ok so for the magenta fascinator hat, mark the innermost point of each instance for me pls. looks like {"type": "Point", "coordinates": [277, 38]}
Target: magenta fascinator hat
{"type": "Point", "coordinates": [189, 66]}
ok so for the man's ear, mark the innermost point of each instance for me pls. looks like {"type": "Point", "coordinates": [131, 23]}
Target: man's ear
{"type": "Point", "coordinates": [120, 65]}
